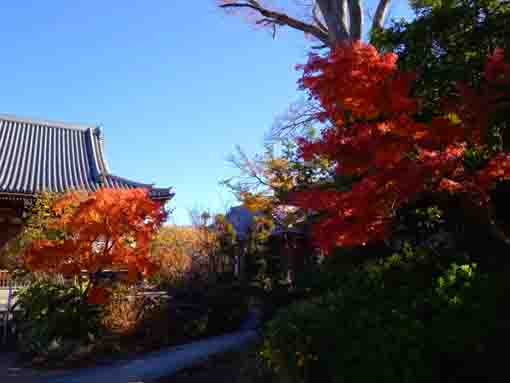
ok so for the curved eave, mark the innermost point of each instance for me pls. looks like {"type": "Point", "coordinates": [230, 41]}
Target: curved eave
{"type": "Point", "coordinates": [163, 195]}
{"type": "Point", "coordinates": [281, 231]}
{"type": "Point", "coordinates": [160, 194]}
{"type": "Point", "coordinates": [16, 196]}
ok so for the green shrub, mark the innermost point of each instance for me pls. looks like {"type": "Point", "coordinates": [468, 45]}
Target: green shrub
{"type": "Point", "coordinates": [404, 319]}
{"type": "Point", "coordinates": [53, 320]}
{"type": "Point", "coordinates": [227, 307]}
{"type": "Point", "coordinates": [210, 307]}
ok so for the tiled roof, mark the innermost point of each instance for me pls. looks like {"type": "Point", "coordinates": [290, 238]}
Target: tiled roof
{"type": "Point", "coordinates": [242, 219]}
{"type": "Point", "coordinates": [38, 155]}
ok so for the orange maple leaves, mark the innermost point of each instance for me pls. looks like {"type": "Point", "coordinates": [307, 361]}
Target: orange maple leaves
{"type": "Point", "coordinates": [375, 136]}
{"type": "Point", "coordinates": [110, 228]}
{"type": "Point", "coordinates": [355, 78]}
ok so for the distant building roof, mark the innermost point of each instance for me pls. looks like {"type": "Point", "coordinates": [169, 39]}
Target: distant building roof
{"type": "Point", "coordinates": [241, 218]}
{"type": "Point", "coordinates": [39, 155]}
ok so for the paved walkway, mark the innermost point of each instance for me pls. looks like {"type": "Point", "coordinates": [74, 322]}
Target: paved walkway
{"type": "Point", "coordinates": [151, 366]}
{"type": "Point", "coordinates": [11, 373]}
{"type": "Point", "coordinates": [162, 363]}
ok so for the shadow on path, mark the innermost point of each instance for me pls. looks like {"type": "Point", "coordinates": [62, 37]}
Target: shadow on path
{"type": "Point", "coordinates": [161, 363]}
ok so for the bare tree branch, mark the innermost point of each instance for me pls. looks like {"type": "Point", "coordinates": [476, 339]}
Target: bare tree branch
{"type": "Point", "coordinates": [317, 18]}
{"type": "Point", "coordinates": [297, 120]}
{"type": "Point", "coordinates": [252, 171]}
{"type": "Point", "coordinates": [277, 18]}
{"type": "Point", "coordinates": [380, 14]}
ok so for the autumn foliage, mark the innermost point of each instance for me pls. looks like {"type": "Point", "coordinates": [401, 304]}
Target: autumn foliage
{"type": "Point", "coordinates": [375, 136]}
{"type": "Point", "coordinates": [178, 252]}
{"type": "Point", "coordinates": [109, 229]}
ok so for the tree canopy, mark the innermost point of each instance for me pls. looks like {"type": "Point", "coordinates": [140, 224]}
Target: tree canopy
{"type": "Point", "coordinates": [391, 156]}
{"type": "Point", "coordinates": [89, 233]}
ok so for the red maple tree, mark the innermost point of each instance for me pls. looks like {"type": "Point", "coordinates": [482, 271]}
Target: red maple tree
{"type": "Point", "coordinates": [109, 229]}
{"type": "Point", "coordinates": [375, 137]}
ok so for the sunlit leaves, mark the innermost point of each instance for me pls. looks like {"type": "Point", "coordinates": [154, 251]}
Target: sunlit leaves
{"type": "Point", "coordinates": [108, 229]}
{"type": "Point", "coordinates": [375, 135]}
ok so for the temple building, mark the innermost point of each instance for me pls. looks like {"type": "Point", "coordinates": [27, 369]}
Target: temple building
{"type": "Point", "coordinates": [46, 156]}
{"type": "Point", "coordinates": [291, 249]}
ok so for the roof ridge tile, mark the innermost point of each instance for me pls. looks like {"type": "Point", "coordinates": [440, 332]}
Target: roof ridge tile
{"type": "Point", "coordinates": [47, 123]}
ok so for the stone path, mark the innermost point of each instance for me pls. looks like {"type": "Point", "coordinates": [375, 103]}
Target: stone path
{"type": "Point", "coordinates": [149, 367]}
{"type": "Point", "coordinates": [10, 373]}
{"type": "Point", "coordinates": [162, 363]}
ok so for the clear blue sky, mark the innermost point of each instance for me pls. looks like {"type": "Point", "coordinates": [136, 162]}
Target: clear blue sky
{"type": "Point", "coordinates": [175, 86]}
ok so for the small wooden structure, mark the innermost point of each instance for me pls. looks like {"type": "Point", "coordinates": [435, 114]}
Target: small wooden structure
{"type": "Point", "coordinates": [294, 250]}
{"type": "Point", "coordinates": [290, 247]}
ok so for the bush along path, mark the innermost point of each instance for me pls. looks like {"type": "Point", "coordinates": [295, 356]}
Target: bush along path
{"type": "Point", "coordinates": [166, 362]}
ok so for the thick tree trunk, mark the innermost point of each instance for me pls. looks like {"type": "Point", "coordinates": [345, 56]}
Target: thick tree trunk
{"type": "Point", "coordinates": [333, 12]}
{"type": "Point", "coordinates": [356, 19]}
